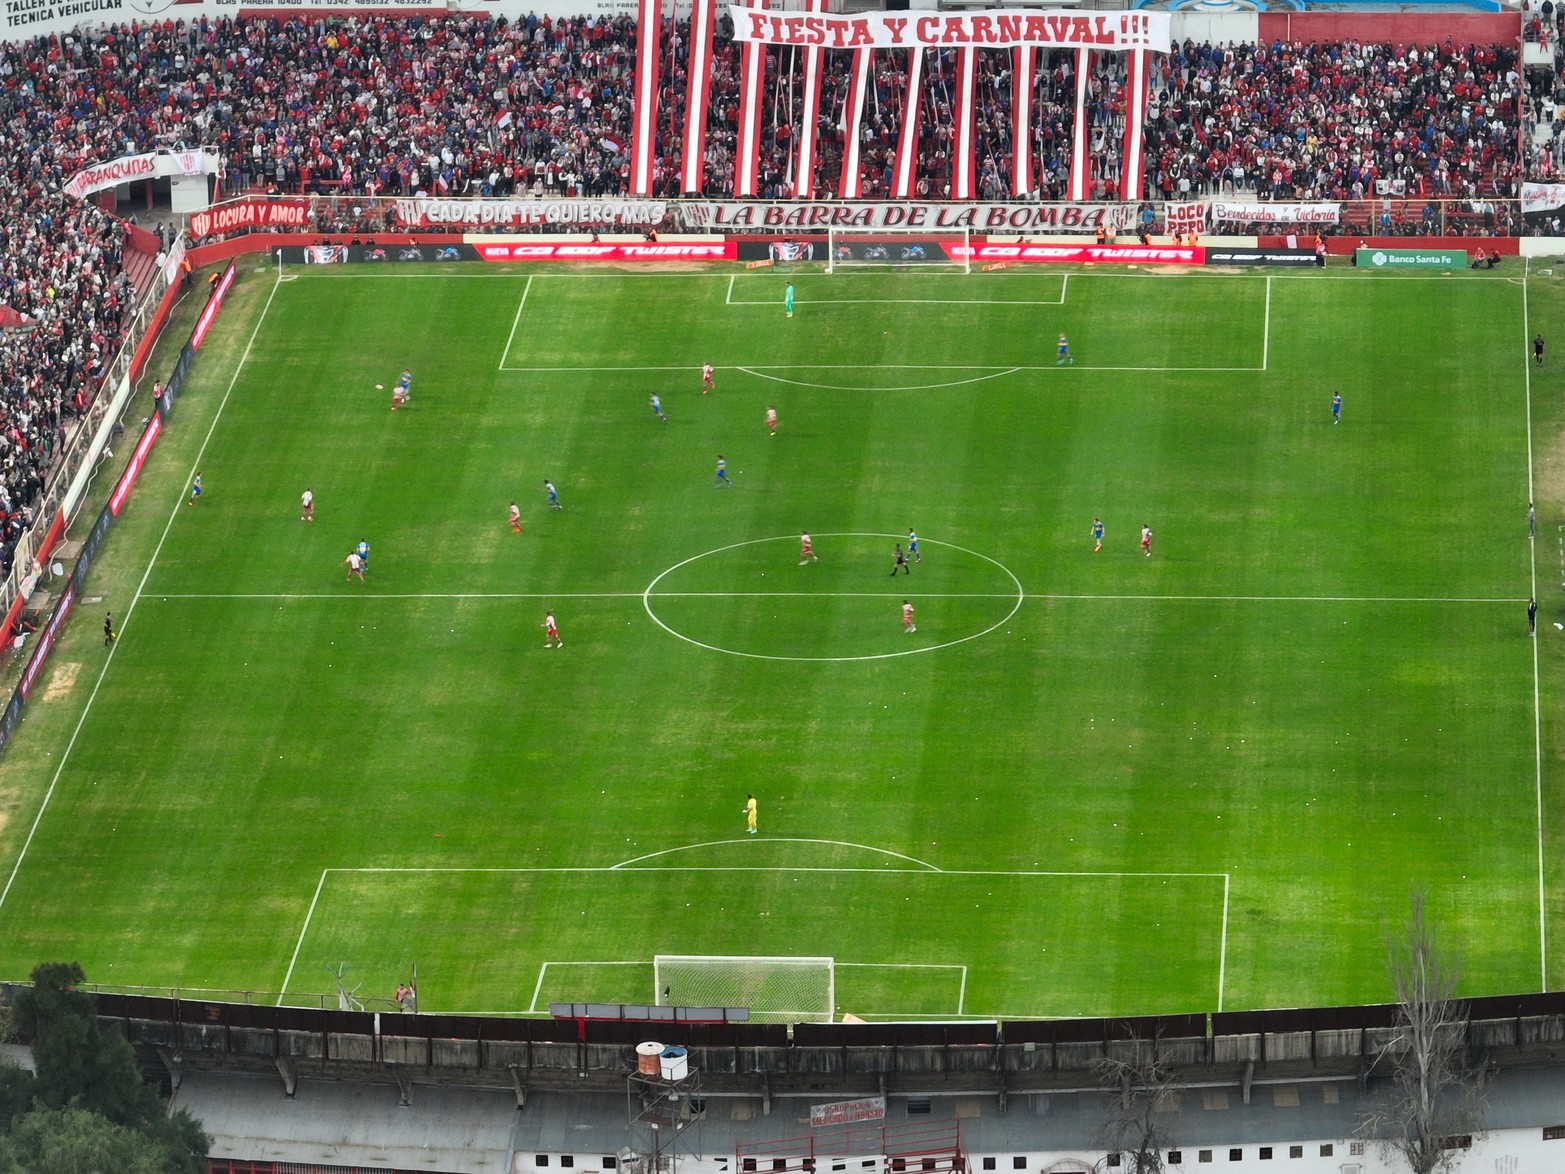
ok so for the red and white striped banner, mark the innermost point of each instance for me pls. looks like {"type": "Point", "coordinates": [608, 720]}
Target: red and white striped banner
{"type": "Point", "coordinates": [703, 21]}
{"type": "Point", "coordinates": [747, 151]}
{"type": "Point", "coordinates": [907, 142]}
{"type": "Point", "coordinates": [962, 184]}
{"type": "Point", "coordinates": [1024, 66]}
{"type": "Point", "coordinates": [1079, 185]}
{"type": "Point", "coordinates": [851, 186]}
{"type": "Point", "coordinates": [1132, 166]}
{"type": "Point", "coordinates": [809, 123]}
{"type": "Point", "coordinates": [644, 128]}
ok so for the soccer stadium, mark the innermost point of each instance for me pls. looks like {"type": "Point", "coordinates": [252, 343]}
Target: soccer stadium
{"type": "Point", "coordinates": [753, 588]}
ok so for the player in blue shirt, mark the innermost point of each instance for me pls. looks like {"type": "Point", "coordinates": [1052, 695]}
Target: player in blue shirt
{"type": "Point", "coordinates": [722, 473]}
{"type": "Point", "coordinates": [195, 490]}
{"type": "Point", "coordinates": [1336, 408]}
{"type": "Point", "coordinates": [1062, 352]}
{"type": "Point", "coordinates": [363, 550]}
{"type": "Point", "coordinates": [551, 497]}
{"type": "Point", "coordinates": [912, 546]}
{"type": "Point", "coordinates": [657, 408]}
{"type": "Point", "coordinates": [1097, 534]}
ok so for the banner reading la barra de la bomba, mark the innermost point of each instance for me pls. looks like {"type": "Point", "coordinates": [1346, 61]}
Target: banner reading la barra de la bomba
{"type": "Point", "coordinates": [999, 28]}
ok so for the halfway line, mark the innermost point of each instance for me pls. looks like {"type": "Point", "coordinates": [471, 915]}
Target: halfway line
{"type": "Point", "coordinates": [1458, 599]}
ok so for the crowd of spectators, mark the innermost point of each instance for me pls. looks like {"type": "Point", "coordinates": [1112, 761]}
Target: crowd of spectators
{"type": "Point", "coordinates": [1344, 121]}
{"type": "Point", "coordinates": [383, 105]}
{"type": "Point", "coordinates": [62, 280]}
{"type": "Point", "coordinates": [1543, 126]}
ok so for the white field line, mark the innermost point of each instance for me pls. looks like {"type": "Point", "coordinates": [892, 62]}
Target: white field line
{"type": "Point", "coordinates": [382, 595]}
{"type": "Point", "coordinates": [130, 610]}
{"type": "Point", "coordinates": [1266, 328]}
{"type": "Point", "coordinates": [515, 323]}
{"type": "Point", "coordinates": [900, 965]}
{"type": "Point", "coordinates": [303, 929]}
{"type": "Point", "coordinates": [961, 990]}
{"type": "Point", "coordinates": [984, 378]}
{"type": "Point", "coordinates": [495, 272]}
{"type": "Point", "coordinates": [988, 370]}
{"type": "Point", "coordinates": [523, 870]}
{"type": "Point", "coordinates": [543, 969]}
{"type": "Point", "coordinates": [988, 305]}
{"type": "Point", "coordinates": [1537, 700]}
{"type": "Point", "coordinates": [923, 864]}
{"type": "Point", "coordinates": [1222, 949]}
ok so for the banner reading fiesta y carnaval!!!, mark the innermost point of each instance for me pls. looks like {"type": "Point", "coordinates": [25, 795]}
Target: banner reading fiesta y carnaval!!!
{"type": "Point", "coordinates": [988, 29]}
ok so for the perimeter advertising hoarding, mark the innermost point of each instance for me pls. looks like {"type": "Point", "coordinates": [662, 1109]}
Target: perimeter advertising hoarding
{"type": "Point", "coordinates": [373, 254]}
{"type": "Point", "coordinates": [881, 250]}
{"type": "Point", "coordinates": [997, 254]}
{"type": "Point", "coordinates": [1410, 258]}
{"type": "Point", "coordinates": [534, 251]}
{"type": "Point", "coordinates": [1276, 258]}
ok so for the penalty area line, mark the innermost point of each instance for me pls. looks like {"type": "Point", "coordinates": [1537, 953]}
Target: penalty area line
{"type": "Point", "coordinates": [515, 323]}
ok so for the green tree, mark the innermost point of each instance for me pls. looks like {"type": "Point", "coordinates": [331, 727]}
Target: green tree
{"type": "Point", "coordinates": [68, 1141]}
{"type": "Point", "coordinates": [16, 1094]}
{"type": "Point", "coordinates": [83, 1068]}
{"type": "Point", "coordinates": [78, 1062]}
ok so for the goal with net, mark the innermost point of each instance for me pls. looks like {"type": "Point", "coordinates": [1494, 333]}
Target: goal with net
{"type": "Point", "coordinates": [775, 989]}
{"type": "Point", "coordinates": [906, 246]}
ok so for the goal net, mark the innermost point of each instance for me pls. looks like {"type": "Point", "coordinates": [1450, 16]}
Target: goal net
{"type": "Point", "coordinates": [946, 248]}
{"type": "Point", "coordinates": [776, 990]}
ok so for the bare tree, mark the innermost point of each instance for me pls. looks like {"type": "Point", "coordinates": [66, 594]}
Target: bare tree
{"type": "Point", "coordinates": [1142, 1105]}
{"type": "Point", "coordinates": [1429, 1111]}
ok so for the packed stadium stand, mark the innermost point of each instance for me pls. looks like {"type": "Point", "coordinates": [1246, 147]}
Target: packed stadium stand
{"type": "Point", "coordinates": [463, 105]}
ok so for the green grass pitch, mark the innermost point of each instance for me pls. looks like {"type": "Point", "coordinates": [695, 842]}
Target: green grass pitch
{"type": "Point", "coordinates": [1088, 784]}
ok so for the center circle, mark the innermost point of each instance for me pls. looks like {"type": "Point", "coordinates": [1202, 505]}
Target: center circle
{"type": "Point", "coordinates": [757, 599]}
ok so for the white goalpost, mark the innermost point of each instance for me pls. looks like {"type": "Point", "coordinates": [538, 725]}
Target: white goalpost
{"type": "Point", "coordinates": [775, 989]}
{"type": "Point", "coordinates": [853, 248]}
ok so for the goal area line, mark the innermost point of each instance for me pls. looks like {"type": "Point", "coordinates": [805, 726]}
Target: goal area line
{"type": "Point", "coordinates": [959, 974]}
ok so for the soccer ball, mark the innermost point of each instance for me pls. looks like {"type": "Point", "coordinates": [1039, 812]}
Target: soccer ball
{"type": "Point", "coordinates": [380, 387]}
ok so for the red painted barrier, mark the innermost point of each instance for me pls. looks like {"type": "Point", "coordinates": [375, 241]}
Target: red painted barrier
{"type": "Point", "coordinates": [149, 340]}
{"type": "Point", "coordinates": [265, 242]}
{"type": "Point", "coordinates": [50, 539]}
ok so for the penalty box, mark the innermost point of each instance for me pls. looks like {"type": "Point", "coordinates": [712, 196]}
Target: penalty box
{"type": "Point", "coordinates": [910, 942]}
